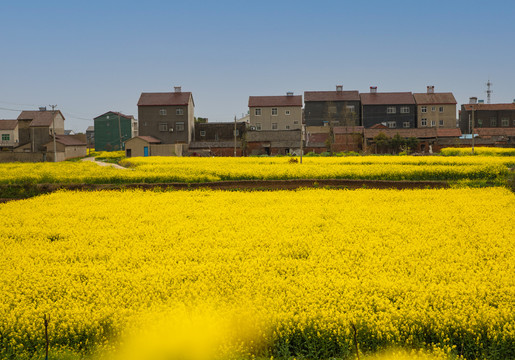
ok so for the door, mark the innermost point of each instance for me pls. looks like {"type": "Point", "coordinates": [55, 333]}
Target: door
{"type": "Point", "coordinates": [128, 153]}
{"type": "Point", "coordinates": [145, 151]}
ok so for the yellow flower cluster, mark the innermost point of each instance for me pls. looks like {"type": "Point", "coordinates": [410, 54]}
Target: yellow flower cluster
{"type": "Point", "coordinates": [176, 169]}
{"type": "Point", "coordinates": [483, 151]}
{"type": "Point", "coordinates": [419, 269]}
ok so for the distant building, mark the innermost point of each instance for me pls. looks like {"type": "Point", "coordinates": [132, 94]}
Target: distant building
{"type": "Point", "coordinates": [168, 116]}
{"type": "Point", "coordinates": [9, 138]}
{"type": "Point", "coordinates": [335, 108]}
{"type": "Point", "coordinates": [90, 136]}
{"type": "Point", "coordinates": [497, 116]}
{"type": "Point", "coordinates": [275, 112]}
{"type": "Point", "coordinates": [112, 129]}
{"type": "Point", "coordinates": [36, 128]}
{"type": "Point", "coordinates": [435, 109]}
{"type": "Point", "coordinates": [395, 110]}
{"type": "Point", "coordinates": [217, 139]}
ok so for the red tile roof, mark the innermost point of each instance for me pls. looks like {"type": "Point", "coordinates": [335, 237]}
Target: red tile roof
{"type": "Point", "coordinates": [454, 132]}
{"type": "Point", "coordinates": [149, 139]}
{"type": "Point", "coordinates": [70, 140]}
{"type": "Point", "coordinates": [39, 118]}
{"type": "Point", "coordinates": [489, 107]}
{"type": "Point", "coordinates": [418, 133]}
{"type": "Point", "coordinates": [348, 95]}
{"type": "Point", "coordinates": [495, 131]}
{"type": "Point", "coordinates": [165, 99]}
{"type": "Point", "coordinates": [117, 114]}
{"type": "Point", "coordinates": [267, 101]}
{"type": "Point", "coordinates": [379, 126]}
{"type": "Point", "coordinates": [435, 99]}
{"type": "Point", "coordinates": [385, 98]}
{"type": "Point", "coordinates": [348, 130]}
{"type": "Point", "coordinates": [8, 124]}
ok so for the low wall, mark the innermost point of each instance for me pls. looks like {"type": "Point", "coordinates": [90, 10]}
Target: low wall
{"type": "Point", "coordinates": [8, 156]}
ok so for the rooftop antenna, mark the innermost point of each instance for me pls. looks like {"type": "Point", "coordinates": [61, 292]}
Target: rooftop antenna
{"type": "Point", "coordinates": [489, 91]}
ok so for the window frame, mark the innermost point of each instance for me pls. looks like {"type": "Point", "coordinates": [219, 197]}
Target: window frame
{"type": "Point", "coordinates": [163, 127]}
{"type": "Point", "coordinates": [274, 111]}
{"type": "Point", "coordinates": [287, 112]}
{"type": "Point", "coordinates": [203, 133]}
{"type": "Point", "coordinates": [257, 111]}
{"type": "Point", "coordinates": [163, 112]}
{"type": "Point", "coordinates": [392, 124]}
{"type": "Point", "coordinates": [391, 110]}
{"type": "Point", "coordinates": [505, 122]}
{"type": "Point", "coordinates": [423, 109]}
{"type": "Point", "coordinates": [404, 125]}
{"type": "Point", "coordinates": [405, 110]}
{"type": "Point", "coordinates": [274, 126]}
{"type": "Point", "coordinates": [179, 111]}
{"type": "Point", "coordinates": [180, 126]}
{"type": "Point", "coordinates": [423, 122]}
{"type": "Point", "coordinates": [258, 126]}
{"type": "Point", "coordinates": [440, 122]}
{"type": "Point", "coordinates": [441, 109]}
{"type": "Point", "coordinates": [6, 137]}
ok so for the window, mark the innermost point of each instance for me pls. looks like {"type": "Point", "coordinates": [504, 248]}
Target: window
{"type": "Point", "coordinates": [295, 122]}
{"type": "Point", "coordinates": [405, 110]}
{"type": "Point", "coordinates": [423, 109]}
{"type": "Point", "coordinates": [179, 126]}
{"type": "Point", "coordinates": [493, 122]}
{"type": "Point", "coordinates": [217, 137]}
{"type": "Point", "coordinates": [107, 124]}
{"type": "Point", "coordinates": [287, 127]}
{"type": "Point", "coordinates": [423, 122]}
{"type": "Point", "coordinates": [162, 112]}
{"type": "Point", "coordinates": [350, 108]}
{"type": "Point", "coordinates": [6, 137]}
{"type": "Point", "coordinates": [163, 127]}
{"type": "Point", "coordinates": [505, 122]}
{"type": "Point", "coordinates": [202, 133]}
{"type": "Point", "coordinates": [274, 111]}
{"type": "Point", "coordinates": [392, 124]}
{"type": "Point", "coordinates": [179, 112]}
{"type": "Point", "coordinates": [391, 110]}
{"type": "Point", "coordinates": [440, 109]}
{"type": "Point", "coordinates": [406, 124]}
{"type": "Point", "coordinates": [433, 123]}
{"type": "Point", "coordinates": [258, 126]}
{"type": "Point", "coordinates": [433, 108]}
{"type": "Point", "coordinates": [107, 117]}
{"type": "Point", "coordinates": [274, 126]}
{"type": "Point", "coordinates": [257, 112]}
{"type": "Point", "coordinates": [331, 109]}
{"type": "Point", "coordinates": [440, 122]}
{"type": "Point", "coordinates": [287, 112]}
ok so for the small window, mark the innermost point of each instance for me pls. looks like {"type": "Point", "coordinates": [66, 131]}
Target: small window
{"type": "Point", "coordinates": [331, 109]}
{"type": "Point", "coordinates": [440, 109]}
{"type": "Point", "coordinates": [405, 110]}
{"type": "Point", "coordinates": [406, 124]}
{"type": "Point", "coordinates": [391, 110]}
{"type": "Point", "coordinates": [287, 127]}
{"type": "Point", "coordinates": [423, 122]}
{"type": "Point", "coordinates": [295, 122]}
{"type": "Point", "coordinates": [493, 122]}
{"type": "Point", "coordinates": [107, 124]}
{"type": "Point", "coordinates": [258, 126]}
{"type": "Point", "coordinates": [392, 124]}
{"type": "Point", "coordinates": [179, 112]}
{"type": "Point", "coordinates": [202, 133]}
{"type": "Point", "coordinates": [350, 108]}
{"type": "Point", "coordinates": [257, 112]}
{"type": "Point", "coordinates": [433, 108]}
{"type": "Point", "coordinates": [163, 127]}
{"type": "Point", "coordinates": [274, 126]}
{"type": "Point", "coordinates": [274, 111]}
{"type": "Point", "coordinates": [440, 122]}
{"type": "Point", "coordinates": [179, 126]}
{"type": "Point", "coordinates": [505, 122]}
{"type": "Point", "coordinates": [162, 112]}
{"type": "Point", "coordinates": [433, 123]}
{"type": "Point", "coordinates": [287, 112]}
{"type": "Point", "coordinates": [107, 117]}
{"type": "Point", "coordinates": [217, 137]}
{"type": "Point", "coordinates": [6, 137]}
{"type": "Point", "coordinates": [423, 109]}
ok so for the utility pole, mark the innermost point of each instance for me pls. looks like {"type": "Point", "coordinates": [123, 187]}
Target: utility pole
{"type": "Point", "coordinates": [53, 130]}
{"type": "Point", "coordinates": [119, 133]}
{"type": "Point", "coordinates": [235, 130]}
{"type": "Point", "coordinates": [301, 141]}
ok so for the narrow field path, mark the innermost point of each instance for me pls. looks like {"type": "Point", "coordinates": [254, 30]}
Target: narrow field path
{"type": "Point", "coordinates": [101, 163]}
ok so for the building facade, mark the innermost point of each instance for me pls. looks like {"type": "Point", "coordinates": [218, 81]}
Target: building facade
{"type": "Point", "coordinates": [36, 128]}
{"type": "Point", "coordinates": [395, 110]}
{"type": "Point", "coordinates": [275, 112]}
{"type": "Point", "coordinates": [435, 109]}
{"type": "Point", "coordinates": [112, 129]}
{"type": "Point", "coordinates": [336, 108]}
{"type": "Point", "coordinates": [168, 117]}
{"type": "Point", "coordinates": [9, 138]}
{"type": "Point", "coordinates": [500, 116]}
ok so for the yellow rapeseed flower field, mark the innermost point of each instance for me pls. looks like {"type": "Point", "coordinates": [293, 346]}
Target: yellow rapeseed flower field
{"type": "Point", "coordinates": [482, 151]}
{"type": "Point", "coordinates": [417, 269]}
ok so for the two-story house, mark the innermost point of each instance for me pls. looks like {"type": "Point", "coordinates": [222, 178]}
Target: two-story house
{"type": "Point", "coordinates": [168, 116]}
{"type": "Point", "coordinates": [333, 108]}
{"type": "Point", "coordinates": [112, 129]}
{"type": "Point", "coordinates": [494, 116]}
{"type": "Point", "coordinates": [391, 109]}
{"type": "Point", "coordinates": [8, 134]}
{"type": "Point", "coordinates": [37, 127]}
{"type": "Point", "coordinates": [435, 109]}
{"type": "Point", "coordinates": [275, 112]}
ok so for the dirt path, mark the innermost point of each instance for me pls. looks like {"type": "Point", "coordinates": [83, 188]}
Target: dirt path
{"type": "Point", "coordinates": [101, 163]}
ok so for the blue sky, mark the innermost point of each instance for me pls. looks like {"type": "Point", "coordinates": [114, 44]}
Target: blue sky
{"type": "Point", "coordinates": [89, 57]}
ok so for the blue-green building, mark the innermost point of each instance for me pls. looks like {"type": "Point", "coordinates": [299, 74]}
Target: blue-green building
{"type": "Point", "coordinates": [112, 129]}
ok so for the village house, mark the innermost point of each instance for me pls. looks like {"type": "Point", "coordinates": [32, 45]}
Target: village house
{"type": "Point", "coordinates": [112, 129]}
{"type": "Point", "coordinates": [36, 128]}
{"type": "Point", "coordinates": [395, 110]}
{"type": "Point", "coordinates": [435, 109]}
{"type": "Point", "coordinates": [275, 112]}
{"type": "Point", "coordinates": [217, 139]}
{"type": "Point", "coordinates": [332, 108]}
{"type": "Point", "coordinates": [495, 116]}
{"type": "Point", "coordinates": [168, 117]}
{"type": "Point", "coordinates": [9, 138]}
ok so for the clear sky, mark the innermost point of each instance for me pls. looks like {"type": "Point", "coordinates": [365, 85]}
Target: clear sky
{"type": "Point", "coordinates": [89, 57]}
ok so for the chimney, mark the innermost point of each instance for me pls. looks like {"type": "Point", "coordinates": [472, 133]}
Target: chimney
{"type": "Point", "coordinates": [339, 88]}
{"type": "Point", "coordinates": [42, 108]}
{"type": "Point", "coordinates": [373, 89]}
{"type": "Point", "coordinates": [177, 89]}
{"type": "Point", "coordinates": [289, 93]}
{"type": "Point", "coordinates": [473, 100]}
{"type": "Point", "coordinates": [431, 89]}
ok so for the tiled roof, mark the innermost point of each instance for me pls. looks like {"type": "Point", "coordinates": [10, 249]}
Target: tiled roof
{"type": "Point", "coordinates": [435, 98]}
{"type": "Point", "coordinates": [387, 98]}
{"type": "Point", "coordinates": [117, 114]}
{"type": "Point", "coordinates": [149, 139]}
{"type": "Point", "coordinates": [8, 124]}
{"type": "Point", "coordinates": [454, 132]}
{"type": "Point", "coordinates": [69, 140]}
{"type": "Point", "coordinates": [418, 133]}
{"type": "Point", "coordinates": [495, 131]}
{"type": "Point", "coordinates": [267, 101]}
{"type": "Point", "coordinates": [165, 99]}
{"type": "Point", "coordinates": [348, 95]}
{"type": "Point", "coordinates": [489, 107]}
{"type": "Point", "coordinates": [39, 118]}
{"type": "Point", "coordinates": [379, 126]}
{"type": "Point", "coordinates": [348, 130]}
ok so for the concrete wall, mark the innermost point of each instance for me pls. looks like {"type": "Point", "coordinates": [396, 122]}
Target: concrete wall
{"type": "Point", "coordinates": [75, 151]}
{"type": "Point", "coordinates": [448, 116]}
{"type": "Point", "coordinates": [316, 112]}
{"type": "Point", "coordinates": [8, 156]}
{"type": "Point", "coordinates": [14, 139]}
{"type": "Point", "coordinates": [283, 121]}
{"type": "Point", "coordinates": [377, 114]}
{"type": "Point", "coordinates": [136, 147]}
{"type": "Point", "coordinates": [149, 119]}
